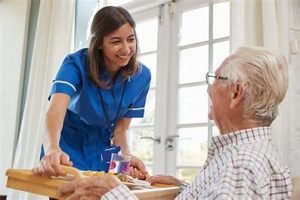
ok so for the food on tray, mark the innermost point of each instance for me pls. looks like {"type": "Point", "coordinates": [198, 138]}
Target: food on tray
{"type": "Point", "coordinates": [73, 171]}
{"type": "Point", "coordinates": [122, 177]}
{"type": "Point", "coordinates": [126, 179]}
{"type": "Point", "coordinates": [93, 173]}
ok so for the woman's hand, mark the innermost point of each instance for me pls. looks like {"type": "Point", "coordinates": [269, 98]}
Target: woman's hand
{"type": "Point", "coordinates": [137, 168]}
{"type": "Point", "coordinates": [164, 179]}
{"type": "Point", "coordinates": [50, 164]}
{"type": "Point", "coordinates": [89, 188]}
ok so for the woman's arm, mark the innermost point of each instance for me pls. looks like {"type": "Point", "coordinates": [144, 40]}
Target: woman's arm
{"type": "Point", "coordinates": [137, 167]}
{"type": "Point", "coordinates": [54, 156]}
{"type": "Point", "coordinates": [54, 121]}
{"type": "Point", "coordinates": [120, 135]}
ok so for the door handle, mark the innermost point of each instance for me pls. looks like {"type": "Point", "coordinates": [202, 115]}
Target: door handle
{"type": "Point", "coordinates": [170, 138]}
{"type": "Point", "coordinates": [169, 145]}
{"type": "Point", "coordinates": [156, 140]}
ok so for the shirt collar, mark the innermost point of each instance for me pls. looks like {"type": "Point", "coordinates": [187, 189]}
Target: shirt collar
{"type": "Point", "coordinates": [239, 137]}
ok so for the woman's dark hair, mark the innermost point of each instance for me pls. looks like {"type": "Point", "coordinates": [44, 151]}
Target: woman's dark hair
{"type": "Point", "coordinates": [106, 21]}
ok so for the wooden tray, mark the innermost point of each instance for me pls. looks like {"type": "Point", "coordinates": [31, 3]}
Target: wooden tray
{"type": "Point", "coordinates": [25, 180]}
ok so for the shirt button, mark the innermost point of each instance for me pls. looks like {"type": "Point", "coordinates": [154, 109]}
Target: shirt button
{"type": "Point", "coordinates": [112, 124]}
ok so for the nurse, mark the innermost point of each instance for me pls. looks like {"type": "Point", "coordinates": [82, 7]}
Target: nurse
{"type": "Point", "coordinates": [96, 92]}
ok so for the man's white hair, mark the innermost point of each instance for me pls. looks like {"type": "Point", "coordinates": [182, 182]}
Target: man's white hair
{"type": "Point", "coordinates": [265, 74]}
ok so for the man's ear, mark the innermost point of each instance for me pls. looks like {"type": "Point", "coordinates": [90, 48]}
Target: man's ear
{"type": "Point", "coordinates": [237, 94]}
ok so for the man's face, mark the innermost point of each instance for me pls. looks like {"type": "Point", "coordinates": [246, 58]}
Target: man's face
{"type": "Point", "coordinates": [219, 93]}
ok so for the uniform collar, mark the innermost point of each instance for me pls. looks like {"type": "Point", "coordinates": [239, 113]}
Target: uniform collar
{"type": "Point", "coordinates": [106, 77]}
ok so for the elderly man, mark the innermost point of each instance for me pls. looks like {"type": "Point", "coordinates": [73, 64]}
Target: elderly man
{"type": "Point", "coordinates": [242, 162]}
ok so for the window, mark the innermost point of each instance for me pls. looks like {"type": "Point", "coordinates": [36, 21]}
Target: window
{"type": "Point", "coordinates": [180, 42]}
{"type": "Point", "coordinates": [202, 45]}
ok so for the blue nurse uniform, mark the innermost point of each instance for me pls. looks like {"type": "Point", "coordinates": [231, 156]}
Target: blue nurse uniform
{"type": "Point", "coordinates": [93, 111]}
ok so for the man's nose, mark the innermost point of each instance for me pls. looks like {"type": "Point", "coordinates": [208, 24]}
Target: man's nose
{"type": "Point", "coordinates": [207, 90]}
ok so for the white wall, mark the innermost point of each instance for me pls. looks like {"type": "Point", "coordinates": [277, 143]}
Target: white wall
{"type": "Point", "coordinates": [294, 87]}
{"type": "Point", "coordinates": [13, 23]}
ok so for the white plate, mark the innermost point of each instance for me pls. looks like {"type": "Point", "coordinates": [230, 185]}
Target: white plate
{"type": "Point", "coordinates": [139, 183]}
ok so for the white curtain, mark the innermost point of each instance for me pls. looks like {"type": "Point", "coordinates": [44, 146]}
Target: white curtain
{"type": "Point", "coordinates": [294, 147]}
{"type": "Point", "coordinates": [13, 21]}
{"type": "Point", "coordinates": [52, 42]}
{"type": "Point", "coordinates": [260, 22]}
{"type": "Point", "coordinates": [265, 23]}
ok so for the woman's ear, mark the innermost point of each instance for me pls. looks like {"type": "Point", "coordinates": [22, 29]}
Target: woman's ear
{"type": "Point", "coordinates": [237, 94]}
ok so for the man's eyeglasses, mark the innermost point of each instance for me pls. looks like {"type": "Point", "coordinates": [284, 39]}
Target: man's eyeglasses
{"type": "Point", "coordinates": [210, 78]}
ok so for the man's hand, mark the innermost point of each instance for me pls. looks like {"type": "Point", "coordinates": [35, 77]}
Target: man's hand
{"type": "Point", "coordinates": [89, 188]}
{"type": "Point", "coordinates": [164, 179]}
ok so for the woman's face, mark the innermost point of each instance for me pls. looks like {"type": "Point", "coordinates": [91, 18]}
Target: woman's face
{"type": "Point", "coordinates": [118, 47]}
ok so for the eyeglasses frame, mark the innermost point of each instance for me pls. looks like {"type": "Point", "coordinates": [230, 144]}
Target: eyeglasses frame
{"type": "Point", "coordinates": [212, 75]}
